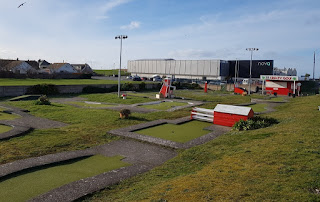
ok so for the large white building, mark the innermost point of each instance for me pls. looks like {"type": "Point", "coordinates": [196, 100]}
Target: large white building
{"type": "Point", "coordinates": [184, 69]}
{"type": "Point", "coordinates": [285, 71]}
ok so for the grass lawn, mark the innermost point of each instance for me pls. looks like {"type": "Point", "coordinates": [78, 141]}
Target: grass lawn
{"type": "Point", "coordinates": [32, 183]}
{"type": "Point", "coordinates": [178, 133]}
{"type": "Point", "coordinates": [278, 163]}
{"type": "Point", "coordinates": [258, 107]}
{"type": "Point", "coordinates": [84, 104]}
{"type": "Point", "coordinates": [277, 99]}
{"type": "Point", "coordinates": [4, 128]}
{"type": "Point", "coordinates": [110, 72]}
{"type": "Point", "coordinates": [145, 94]}
{"type": "Point", "coordinates": [26, 82]}
{"type": "Point", "coordinates": [164, 105]}
{"type": "Point", "coordinates": [113, 98]}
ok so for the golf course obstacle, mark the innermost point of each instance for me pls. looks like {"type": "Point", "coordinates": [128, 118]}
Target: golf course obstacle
{"type": "Point", "coordinates": [202, 114]}
{"type": "Point", "coordinates": [225, 115]}
{"type": "Point", "coordinates": [167, 89]}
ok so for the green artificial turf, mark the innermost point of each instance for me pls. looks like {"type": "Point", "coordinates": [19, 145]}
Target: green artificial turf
{"type": "Point", "coordinates": [258, 107]}
{"type": "Point", "coordinates": [177, 133]}
{"type": "Point", "coordinates": [164, 105]}
{"type": "Point", "coordinates": [4, 128]}
{"type": "Point", "coordinates": [33, 183]}
{"type": "Point", "coordinates": [84, 104]}
{"type": "Point", "coordinates": [7, 116]}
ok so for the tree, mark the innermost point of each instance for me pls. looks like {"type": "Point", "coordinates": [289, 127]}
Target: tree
{"type": "Point", "coordinates": [306, 76]}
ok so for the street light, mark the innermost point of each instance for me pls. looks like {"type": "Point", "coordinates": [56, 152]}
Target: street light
{"type": "Point", "coordinates": [119, 74]}
{"type": "Point", "coordinates": [251, 50]}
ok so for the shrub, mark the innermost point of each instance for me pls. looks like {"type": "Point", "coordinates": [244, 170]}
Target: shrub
{"type": "Point", "coordinates": [254, 123]}
{"type": "Point", "coordinates": [43, 100]}
{"type": "Point", "coordinates": [142, 86]}
{"type": "Point", "coordinates": [124, 113]}
{"type": "Point", "coordinates": [127, 87]}
{"type": "Point", "coordinates": [45, 89]}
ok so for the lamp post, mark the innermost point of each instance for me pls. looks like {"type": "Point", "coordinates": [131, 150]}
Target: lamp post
{"type": "Point", "coordinates": [251, 50]}
{"type": "Point", "coordinates": [119, 74]}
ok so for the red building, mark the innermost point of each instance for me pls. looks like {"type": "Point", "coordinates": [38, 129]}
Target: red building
{"type": "Point", "coordinates": [228, 115]}
{"type": "Point", "coordinates": [280, 85]}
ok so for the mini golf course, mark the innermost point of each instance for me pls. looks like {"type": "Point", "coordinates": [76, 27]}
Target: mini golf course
{"type": "Point", "coordinates": [164, 105]}
{"type": "Point", "coordinates": [178, 133]}
{"type": "Point", "coordinates": [33, 182]}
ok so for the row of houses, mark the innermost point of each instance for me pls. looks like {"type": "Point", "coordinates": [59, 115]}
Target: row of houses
{"type": "Point", "coordinates": [42, 67]}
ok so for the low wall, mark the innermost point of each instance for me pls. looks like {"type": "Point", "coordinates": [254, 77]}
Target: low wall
{"type": "Point", "coordinates": [229, 87]}
{"type": "Point", "coordinates": [11, 91]}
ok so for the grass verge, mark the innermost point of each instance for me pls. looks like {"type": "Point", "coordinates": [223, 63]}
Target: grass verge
{"type": "Point", "coordinates": [31, 183]}
{"type": "Point", "coordinates": [84, 104]}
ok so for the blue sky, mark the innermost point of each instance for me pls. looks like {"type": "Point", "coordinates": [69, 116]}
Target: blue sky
{"type": "Point", "coordinates": [82, 31]}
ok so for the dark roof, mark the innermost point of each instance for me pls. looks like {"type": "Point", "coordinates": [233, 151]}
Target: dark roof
{"type": "Point", "coordinates": [12, 65]}
{"type": "Point", "coordinates": [3, 63]}
{"type": "Point", "coordinates": [44, 62]}
{"type": "Point", "coordinates": [33, 64]}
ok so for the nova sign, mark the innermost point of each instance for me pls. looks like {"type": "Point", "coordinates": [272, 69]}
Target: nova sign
{"type": "Point", "coordinates": [264, 64]}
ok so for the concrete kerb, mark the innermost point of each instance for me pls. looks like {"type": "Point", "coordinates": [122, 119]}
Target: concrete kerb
{"type": "Point", "coordinates": [15, 132]}
{"type": "Point", "coordinates": [24, 164]}
{"type": "Point", "coordinates": [129, 132]}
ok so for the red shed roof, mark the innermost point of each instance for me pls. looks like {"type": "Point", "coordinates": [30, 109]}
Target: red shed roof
{"type": "Point", "coordinates": [230, 109]}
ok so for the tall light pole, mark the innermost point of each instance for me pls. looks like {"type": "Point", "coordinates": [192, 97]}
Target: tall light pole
{"type": "Point", "coordinates": [119, 74]}
{"type": "Point", "coordinates": [251, 50]}
{"type": "Point", "coordinates": [314, 63]}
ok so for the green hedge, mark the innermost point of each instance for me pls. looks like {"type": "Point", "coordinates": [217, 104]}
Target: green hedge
{"type": "Point", "coordinates": [45, 89]}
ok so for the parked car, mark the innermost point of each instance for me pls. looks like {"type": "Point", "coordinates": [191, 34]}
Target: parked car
{"type": "Point", "coordinates": [129, 77]}
{"type": "Point", "coordinates": [144, 78]}
{"type": "Point", "coordinates": [157, 79]}
{"type": "Point", "coordinates": [136, 78]}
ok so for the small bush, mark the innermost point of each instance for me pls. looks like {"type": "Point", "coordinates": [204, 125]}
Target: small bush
{"type": "Point", "coordinates": [124, 113]}
{"type": "Point", "coordinates": [127, 87]}
{"type": "Point", "coordinates": [254, 123]}
{"type": "Point", "coordinates": [43, 100]}
{"type": "Point", "coordinates": [45, 89]}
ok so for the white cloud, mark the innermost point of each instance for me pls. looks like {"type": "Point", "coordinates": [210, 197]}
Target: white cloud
{"type": "Point", "coordinates": [108, 6]}
{"type": "Point", "coordinates": [132, 25]}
